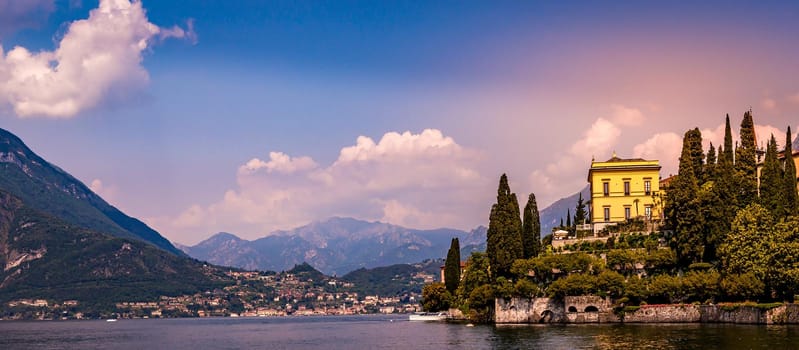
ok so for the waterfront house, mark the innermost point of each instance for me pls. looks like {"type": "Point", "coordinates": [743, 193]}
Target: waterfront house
{"type": "Point", "coordinates": [623, 189]}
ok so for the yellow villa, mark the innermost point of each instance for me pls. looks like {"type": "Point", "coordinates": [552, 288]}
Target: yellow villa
{"type": "Point", "coordinates": [623, 189]}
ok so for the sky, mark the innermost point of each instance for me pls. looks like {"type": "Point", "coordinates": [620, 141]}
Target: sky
{"type": "Point", "coordinates": [253, 116]}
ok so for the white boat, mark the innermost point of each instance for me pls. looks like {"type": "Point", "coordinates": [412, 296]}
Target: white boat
{"type": "Point", "coordinates": [111, 320]}
{"type": "Point", "coordinates": [428, 316]}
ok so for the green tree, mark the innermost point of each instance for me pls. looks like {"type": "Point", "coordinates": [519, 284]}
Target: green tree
{"type": "Point", "coordinates": [435, 297]}
{"type": "Point", "coordinates": [504, 237]}
{"type": "Point", "coordinates": [452, 267]}
{"type": "Point", "coordinates": [789, 180]}
{"type": "Point", "coordinates": [475, 275]}
{"type": "Point", "coordinates": [738, 287]}
{"type": "Point", "coordinates": [693, 138]}
{"type": "Point", "coordinates": [772, 182]}
{"type": "Point", "coordinates": [580, 215]}
{"type": "Point", "coordinates": [747, 247]}
{"type": "Point", "coordinates": [682, 210]}
{"type": "Point", "coordinates": [531, 229]}
{"type": "Point", "coordinates": [568, 219]}
{"type": "Point", "coordinates": [725, 192]}
{"type": "Point", "coordinates": [746, 163]}
{"type": "Point", "coordinates": [710, 164]}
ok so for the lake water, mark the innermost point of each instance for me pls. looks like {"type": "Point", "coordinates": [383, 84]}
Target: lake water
{"type": "Point", "coordinates": [380, 332]}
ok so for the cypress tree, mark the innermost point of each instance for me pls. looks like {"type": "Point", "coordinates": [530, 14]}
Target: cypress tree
{"type": "Point", "coordinates": [710, 164]}
{"type": "Point", "coordinates": [772, 183]}
{"type": "Point", "coordinates": [727, 142]}
{"type": "Point", "coordinates": [789, 181]}
{"type": "Point", "coordinates": [579, 212]}
{"type": "Point", "coordinates": [683, 212]}
{"type": "Point", "coordinates": [452, 267]}
{"type": "Point", "coordinates": [504, 237]}
{"type": "Point", "coordinates": [531, 228]}
{"type": "Point", "coordinates": [725, 179]}
{"type": "Point", "coordinates": [694, 138]}
{"type": "Point", "coordinates": [568, 219]}
{"type": "Point", "coordinates": [746, 163]}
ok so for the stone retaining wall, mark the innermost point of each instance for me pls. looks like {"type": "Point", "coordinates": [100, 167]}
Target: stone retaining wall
{"type": "Point", "coordinates": [574, 310]}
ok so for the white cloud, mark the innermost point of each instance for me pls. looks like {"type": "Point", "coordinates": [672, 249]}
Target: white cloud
{"type": "Point", "coordinates": [279, 162]}
{"type": "Point", "coordinates": [568, 171]}
{"type": "Point", "coordinates": [109, 193]}
{"type": "Point", "coordinates": [423, 180]}
{"type": "Point", "coordinates": [626, 116]}
{"type": "Point", "coordinates": [96, 56]}
{"type": "Point", "coordinates": [665, 147]}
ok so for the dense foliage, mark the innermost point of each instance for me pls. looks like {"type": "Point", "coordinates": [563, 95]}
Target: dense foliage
{"type": "Point", "coordinates": [726, 239]}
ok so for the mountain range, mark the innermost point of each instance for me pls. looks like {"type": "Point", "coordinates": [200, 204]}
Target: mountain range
{"type": "Point", "coordinates": [340, 245]}
{"type": "Point", "coordinates": [335, 246]}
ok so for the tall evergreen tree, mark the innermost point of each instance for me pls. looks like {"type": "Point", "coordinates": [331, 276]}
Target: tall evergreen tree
{"type": "Point", "coordinates": [789, 181]}
{"type": "Point", "coordinates": [694, 138]}
{"type": "Point", "coordinates": [682, 208]}
{"type": "Point", "coordinates": [568, 219]}
{"type": "Point", "coordinates": [746, 163]}
{"type": "Point", "coordinates": [579, 212]}
{"type": "Point", "coordinates": [504, 237]}
{"type": "Point", "coordinates": [710, 164]}
{"type": "Point", "coordinates": [725, 179]}
{"type": "Point", "coordinates": [531, 228]}
{"type": "Point", "coordinates": [728, 150]}
{"type": "Point", "coordinates": [452, 267]}
{"type": "Point", "coordinates": [772, 183]}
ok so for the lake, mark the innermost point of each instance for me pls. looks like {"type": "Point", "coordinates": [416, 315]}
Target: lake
{"type": "Point", "coordinates": [380, 331]}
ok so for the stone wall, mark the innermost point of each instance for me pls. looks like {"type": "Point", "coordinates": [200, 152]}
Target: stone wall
{"type": "Point", "coordinates": [526, 310]}
{"type": "Point", "coordinates": [576, 310]}
{"type": "Point", "coordinates": [664, 314]}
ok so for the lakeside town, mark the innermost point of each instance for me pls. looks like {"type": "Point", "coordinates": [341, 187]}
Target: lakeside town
{"type": "Point", "coordinates": [299, 292]}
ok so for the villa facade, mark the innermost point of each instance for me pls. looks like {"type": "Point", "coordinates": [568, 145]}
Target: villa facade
{"type": "Point", "coordinates": [624, 189]}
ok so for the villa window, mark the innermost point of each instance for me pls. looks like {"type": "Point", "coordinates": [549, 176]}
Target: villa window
{"type": "Point", "coordinates": [607, 213]}
{"type": "Point", "coordinates": [648, 212]}
{"type": "Point", "coordinates": [627, 213]}
{"type": "Point", "coordinates": [626, 188]}
{"type": "Point", "coordinates": [606, 188]}
{"type": "Point", "coordinates": [647, 187]}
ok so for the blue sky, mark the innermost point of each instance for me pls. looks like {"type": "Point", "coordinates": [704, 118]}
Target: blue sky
{"type": "Point", "coordinates": [534, 89]}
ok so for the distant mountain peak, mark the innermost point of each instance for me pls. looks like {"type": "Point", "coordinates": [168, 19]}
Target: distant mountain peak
{"type": "Point", "coordinates": [334, 245]}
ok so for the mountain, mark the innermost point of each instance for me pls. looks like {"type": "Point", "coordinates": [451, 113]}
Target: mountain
{"type": "Point", "coordinates": [337, 245]}
{"type": "Point", "coordinates": [46, 188]}
{"type": "Point", "coordinates": [394, 279]}
{"type": "Point", "coordinates": [551, 215]}
{"type": "Point", "coordinates": [46, 257]}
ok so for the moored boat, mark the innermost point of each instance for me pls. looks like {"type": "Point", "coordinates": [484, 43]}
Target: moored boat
{"type": "Point", "coordinates": [428, 316]}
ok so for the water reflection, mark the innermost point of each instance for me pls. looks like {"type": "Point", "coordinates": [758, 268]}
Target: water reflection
{"type": "Point", "coordinates": [382, 332]}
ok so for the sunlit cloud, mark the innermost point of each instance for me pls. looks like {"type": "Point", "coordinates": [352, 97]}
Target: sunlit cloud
{"type": "Point", "coordinates": [423, 180]}
{"type": "Point", "coordinates": [96, 57]}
